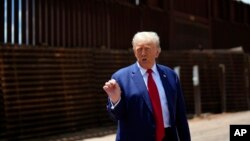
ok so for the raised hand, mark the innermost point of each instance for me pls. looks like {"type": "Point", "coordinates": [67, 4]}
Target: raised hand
{"type": "Point", "coordinates": [113, 90]}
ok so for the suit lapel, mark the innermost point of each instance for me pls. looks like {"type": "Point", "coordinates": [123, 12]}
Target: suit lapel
{"type": "Point", "coordinates": [138, 79]}
{"type": "Point", "coordinates": [164, 79]}
{"type": "Point", "coordinates": [167, 89]}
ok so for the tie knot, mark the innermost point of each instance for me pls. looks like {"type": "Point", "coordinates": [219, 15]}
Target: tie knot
{"type": "Point", "coordinates": [149, 71]}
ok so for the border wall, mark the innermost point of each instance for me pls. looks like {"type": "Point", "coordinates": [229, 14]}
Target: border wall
{"type": "Point", "coordinates": [53, 91]}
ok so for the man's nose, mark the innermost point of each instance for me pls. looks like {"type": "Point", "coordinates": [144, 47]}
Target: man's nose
{"type": "Point", "coordinates": [143, 52]}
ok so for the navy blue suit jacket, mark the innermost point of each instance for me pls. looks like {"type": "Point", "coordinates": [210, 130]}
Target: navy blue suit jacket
{"type": "Point", "coordinates": [134, 111]}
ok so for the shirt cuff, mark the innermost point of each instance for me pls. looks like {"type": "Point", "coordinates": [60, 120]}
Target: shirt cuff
{"type": "Point", "coordinates": [114, 105]}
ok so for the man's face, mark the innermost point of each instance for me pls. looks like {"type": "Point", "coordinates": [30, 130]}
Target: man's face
{"type": "Point", "coordinates": [146, 53]}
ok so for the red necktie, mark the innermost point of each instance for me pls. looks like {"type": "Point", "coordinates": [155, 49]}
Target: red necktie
{"type": "Point", "coordinates": [155, 100]}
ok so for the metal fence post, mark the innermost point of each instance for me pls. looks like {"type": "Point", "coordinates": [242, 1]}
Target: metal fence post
{"type": "Point", "coordinates": [197, 95]}
{"type": "Point", "coordinates": [222, 86]}
{"type": "Point", "coordinates": [247, 88]}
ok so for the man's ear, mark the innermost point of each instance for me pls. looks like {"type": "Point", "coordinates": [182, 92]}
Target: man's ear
{"type": "Point", "coordinates": [158, 52]}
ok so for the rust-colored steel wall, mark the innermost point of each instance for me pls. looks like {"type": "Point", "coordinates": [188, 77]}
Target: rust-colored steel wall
{"type": "Point", "coordinates": [229, 35]}
{"type": "Point", "coordinates": [209, 62]}
{"type": "Point", "coordinates": [112, 23]}
{"type": "Point", "coordinates": [158, 21]}
{"type": "Point", "coordinates": [230, 11]}
{"type": "Point", "coordinates": [51, 91]}
{"type": "Point", "coordinates": [194, 7]}
{"type": "Point", "coordinates": [47, 91]}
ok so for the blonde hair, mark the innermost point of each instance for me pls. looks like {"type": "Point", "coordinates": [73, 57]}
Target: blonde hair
{"type": "Point", "coordinates": [146, 37]}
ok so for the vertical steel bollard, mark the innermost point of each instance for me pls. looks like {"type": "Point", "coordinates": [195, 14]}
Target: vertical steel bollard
{"type": "Point", "coordinates": [197, 95]}
{"type": "Point", "coordinates": [222, 84]}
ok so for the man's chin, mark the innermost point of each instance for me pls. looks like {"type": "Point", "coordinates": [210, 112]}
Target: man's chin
{"type": "Point", "coordinates": [143, 62]}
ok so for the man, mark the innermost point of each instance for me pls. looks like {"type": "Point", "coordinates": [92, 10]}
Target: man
{"type": "Point", "coordinates": [146, 98]}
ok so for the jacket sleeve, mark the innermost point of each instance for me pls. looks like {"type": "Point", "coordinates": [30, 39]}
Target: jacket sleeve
{"type": "Point", "coordinates": [181, 119]}
{"type": "Point", "coordinates": [118, 111]}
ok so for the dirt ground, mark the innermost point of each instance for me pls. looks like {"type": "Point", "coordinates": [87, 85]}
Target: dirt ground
{"type": "Point", "coordinates": [207, 127]}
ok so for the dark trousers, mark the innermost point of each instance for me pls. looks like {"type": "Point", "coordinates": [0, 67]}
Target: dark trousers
{"type": "Point", "coordinates": [169, 135]}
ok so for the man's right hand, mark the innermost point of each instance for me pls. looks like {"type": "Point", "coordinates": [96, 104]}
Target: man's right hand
{"type": "Point", "coordinates": [113, 90]}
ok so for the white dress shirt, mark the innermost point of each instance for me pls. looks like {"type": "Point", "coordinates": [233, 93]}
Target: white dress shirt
{"type": "Point", "coordinates": [161, 91]}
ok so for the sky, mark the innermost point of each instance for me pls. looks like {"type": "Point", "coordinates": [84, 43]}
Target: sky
{"type": "Point", "coordinates": [246, 1]}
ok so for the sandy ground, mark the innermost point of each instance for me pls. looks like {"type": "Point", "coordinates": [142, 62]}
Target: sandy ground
{"type": "Point", "coordinates": [207, 127]}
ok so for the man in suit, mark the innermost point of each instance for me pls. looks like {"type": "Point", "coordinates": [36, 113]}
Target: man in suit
{"type": "Point", "coordinates": [146, 98]}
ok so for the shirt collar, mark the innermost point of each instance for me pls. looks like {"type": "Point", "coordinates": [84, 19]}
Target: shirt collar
{"type": "Point", "coordinates": [144, 71]}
